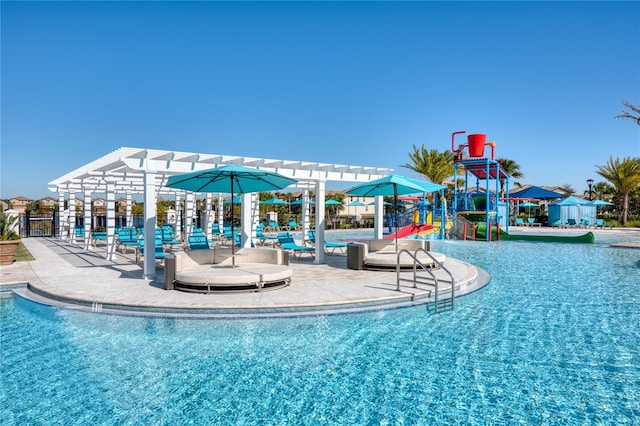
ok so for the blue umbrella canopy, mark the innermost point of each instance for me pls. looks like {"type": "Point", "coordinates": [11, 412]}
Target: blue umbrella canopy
{"type": "Point", "coordinates": [529, 204]}
{"type": "Point", "coordinates": [234, 200]}
{"type": "Point", "coordinates": [602, 203]}
{"type": "Point", "coordinates": [356, 204]}
{"type": "Point", "coordinates": [274, 201]}
{"type": "Point", "coordinates": [232, 179]}
{"type": "Point", "coordinates": [536, 192]}
{"type": "Point", "coordinates": [332, 202]}
{"type": "Point", "coordinates": [394, 185]}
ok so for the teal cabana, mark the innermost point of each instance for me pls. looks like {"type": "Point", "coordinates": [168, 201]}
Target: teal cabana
{"type": "Point", "coordinates": [572, 208]}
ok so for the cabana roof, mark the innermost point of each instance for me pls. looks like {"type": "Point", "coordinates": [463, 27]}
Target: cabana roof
{"type": "Point", "coordinates": [125, 168]}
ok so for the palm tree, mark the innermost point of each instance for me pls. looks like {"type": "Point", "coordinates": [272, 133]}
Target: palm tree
{"type": "Point", "coordinates": [629, 115]}
{"type": "Point", "coordinates": [603, 188]}
{"type": "Point", "coordinates": [624, 176]}
{"type": "Point", "coordinates": [432, 164]}
{"type": "Point", "coordinates": [567, 189]}
{"type": "Point", "coordinates": [512, 168]}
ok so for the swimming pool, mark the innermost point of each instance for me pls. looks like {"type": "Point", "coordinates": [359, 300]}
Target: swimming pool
{"type": "Point", "coordinates": [553, 339]}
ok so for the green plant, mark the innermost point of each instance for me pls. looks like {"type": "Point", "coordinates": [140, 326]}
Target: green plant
{"type": "Point", "coordinates": [8, 226]}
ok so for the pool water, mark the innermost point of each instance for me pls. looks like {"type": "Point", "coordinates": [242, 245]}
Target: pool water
{"type": "Point", "coordinates": [553, 339]}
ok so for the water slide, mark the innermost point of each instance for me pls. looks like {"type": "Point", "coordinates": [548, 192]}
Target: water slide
{"type": "Point", "coordinates": [408, 230]}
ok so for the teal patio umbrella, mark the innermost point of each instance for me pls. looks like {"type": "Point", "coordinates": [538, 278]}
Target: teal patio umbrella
{"type": "Point", "coordinates": [529, 204]}
{"type": "Point", "coordinates": [232, 179]}
{"type": "Point", "coordinates": [394, 185]}
{"type": "Point", "coordinates": [274, 201]}
{"type": "Point", "coordinates": [332, 202]}
{"type": "Point", "coordinates": [356, 204]}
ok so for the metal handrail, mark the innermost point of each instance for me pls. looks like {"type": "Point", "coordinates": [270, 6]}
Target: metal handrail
{"type": "Point", "coordinates": [417, 262]}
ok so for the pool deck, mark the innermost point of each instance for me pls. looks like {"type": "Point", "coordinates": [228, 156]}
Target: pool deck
{"type": "Point", "coordinates": [65, 275]}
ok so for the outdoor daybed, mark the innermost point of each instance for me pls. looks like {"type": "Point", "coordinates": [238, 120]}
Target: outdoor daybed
{"type": "Point", "coordinates": [382, 254]}
{"type": "Point", "coordinates": [207, 271]}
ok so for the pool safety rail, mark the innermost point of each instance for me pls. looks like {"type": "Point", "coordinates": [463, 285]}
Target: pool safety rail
{"type": "Point", "coordinates": [440, 303]}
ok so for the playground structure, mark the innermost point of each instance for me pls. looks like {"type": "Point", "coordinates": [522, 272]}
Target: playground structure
{"type": "Point", "coordinates": [472, 207]}
{"type": "Point", "coordinates": [484, 215]}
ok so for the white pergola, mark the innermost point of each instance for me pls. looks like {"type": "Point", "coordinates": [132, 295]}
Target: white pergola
{"type": "Point", "coordinates": [130, 171]}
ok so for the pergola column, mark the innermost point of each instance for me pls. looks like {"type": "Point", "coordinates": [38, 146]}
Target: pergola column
{"type": "Point", "coordinates": [320, 222]}
{"type": "Point", "coordinates": [149, 260]}
{"type": "Point", "coordinates": [208, 216]}
{"type": "Point", "coordinates": [111, 220]}
{"type": "Point", "coordinates": [245, 220]}
{"type": "Point", "coordinates": [378, 218]}
{"type": "Point", "coordinates": [72, 216]}
{"type": "Point", "coordinates": [61, 222]}
{"type": "Point", "coordinates": [178, 209]}
{"type": "Point", "coordinates": [220, 212]}
{"type": "Point", "coordinates": [87, 220]}
{"type": "Point", "coordinates": [128, 210]}
{"type": "Point", "coordinates": [188, 212]}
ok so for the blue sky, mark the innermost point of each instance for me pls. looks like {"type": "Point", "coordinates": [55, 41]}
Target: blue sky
{"type": "Point", "coordinates": [338, 82]}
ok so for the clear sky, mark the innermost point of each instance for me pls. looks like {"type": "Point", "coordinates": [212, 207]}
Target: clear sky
{"type": "Point", "coordinates": [338, 82]}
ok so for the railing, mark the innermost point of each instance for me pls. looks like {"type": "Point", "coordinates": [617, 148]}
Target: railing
{"type": "Point", "coordinates": [447, 302]}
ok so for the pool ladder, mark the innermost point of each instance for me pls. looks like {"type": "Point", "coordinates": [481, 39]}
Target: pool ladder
{"type": "Point", "coordinates": [440, 302]}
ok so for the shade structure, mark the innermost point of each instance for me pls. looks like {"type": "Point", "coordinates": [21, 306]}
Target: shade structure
{"type": "Point", "coordinates": [601, 203]}
{"type": "Point", "coordinates": [274, 201]}
{"type": "Point", "coordinates": [356, 204]}
{"type": "Point", "coordinates": [536, 192]}
{"type": "Point", "coordinates": [230, 179]}
{"type": "Point", "coordinates": [332, 202]}
{"type": "Point", "coordinates": [394, 185]}
{"type": "Point", "coordinates": [384, 203]}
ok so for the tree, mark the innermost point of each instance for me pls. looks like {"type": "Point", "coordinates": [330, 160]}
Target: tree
{"type": "Point", "coordinates": [624, 175]}
{"type": "Point", "coordinates": [629, 115]}
{"type": "Point", "coordinates": [432, 164]}
{"type": "Point", "coordinates": [513, 169]}
{"type": "Point", "coordinates": [567, 189]}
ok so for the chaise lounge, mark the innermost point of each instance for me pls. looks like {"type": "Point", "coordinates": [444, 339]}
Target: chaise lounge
{"type": "Point", "coordinates": [208, 271]}
{"type": "Point", "coordinates": [382, 254]}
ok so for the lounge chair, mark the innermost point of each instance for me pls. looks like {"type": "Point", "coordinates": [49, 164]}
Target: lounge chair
{"type": "Point", "coordinates": [293, 225]}
{"type": "Point", "coordinates": [262, 238]}
{"type": "Point", "coordinates": [585, 223]}
{"type": "Point", "coordinates": [329, 247]}
{"type": "Point", "coordinates": [600, 223]}
{"type": "Point", "coordinates": [520, 222]}
{"type": "Point", "coordinates": [127, 237]}
{"type": "Point", "coordinates": [272, 227]}
{"type": "Point", "coordinates": [532, 222]}
{"type": "Point", "coordinates": [158, 252]}
{"type": "Point", "coordinates": [571, 223]}
{"type": "Point", "coordinates": [198, 242]}
{"type": "Point", "coordinates": [168, 236]}
{"type": "Point", "coordinates": [286, 242]}
{"type": "Point", "coordinates": [558, 224]}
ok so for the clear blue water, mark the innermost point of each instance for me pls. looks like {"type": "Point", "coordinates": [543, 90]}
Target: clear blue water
{"type": "Point", "coordinates": [553, 339]}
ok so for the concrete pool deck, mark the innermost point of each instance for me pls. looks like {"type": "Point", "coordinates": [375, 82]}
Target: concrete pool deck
{"type": "Point", "coordinates": [63, 274]}
{"type": "Point", "coordinates": [66, 275]}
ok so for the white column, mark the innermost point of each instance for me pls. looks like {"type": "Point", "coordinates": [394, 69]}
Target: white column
{"type": "Point", "coordinates": [87, 220]}
{"type": "Point", "coordinates": [61, 218]}
{"type": "Point", "coordinates": [306, 219]}
{"type": "Point", "coordinates": [111, 220]}
{"type": "Point", "coordinates": [220, 212]}
{"type": "Point", "coordinates": [128, 210]}
{"type": "Point", "coordinates": [378, 218]}
{"type": "Point", "coordinates": [188, 212]}
{"type": "Point", "coordinates": [245, 221]}
{"type": "Point", "coordinates": [320, 222]}
{"type": "Point", "coordinates": [72, 216]}
{"type": "Point", "coordinates": [255, 214]}
{"type": "Point", "coordinates": [208, 216]}
{"type": "Point", "coordinates": [149, 259]}
{"type": "Point", "coordinates": [178, 209]}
